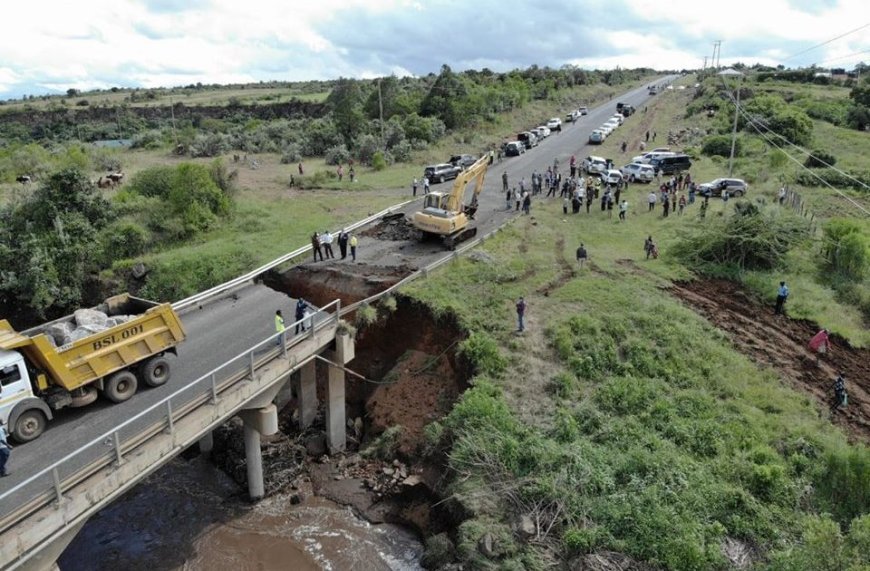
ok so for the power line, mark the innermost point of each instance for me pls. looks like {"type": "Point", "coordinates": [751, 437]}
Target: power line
{"type": "Point", "coordinates": [827, 42]}
{"type": "Point", "coordinates": [755, 125]}
{"type": "Point", "coordinates": [844, 57]}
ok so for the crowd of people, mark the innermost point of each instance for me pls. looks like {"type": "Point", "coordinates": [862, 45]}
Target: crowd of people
{"type": "Point", "coordinates": [321, 245]}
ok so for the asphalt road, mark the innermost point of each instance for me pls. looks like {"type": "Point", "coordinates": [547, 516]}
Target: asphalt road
{"type": "Point", "coordinates": [228, 327]}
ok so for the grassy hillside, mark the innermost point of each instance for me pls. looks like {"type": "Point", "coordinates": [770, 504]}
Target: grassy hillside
{"type": "Point", "coordinates": [622, 421]}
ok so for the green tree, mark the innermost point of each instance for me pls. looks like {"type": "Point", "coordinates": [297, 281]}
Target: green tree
{"type": "Point", "coordinates": [445, 97]}
{"type": "Point", "coordinates": [196, 198]}
{"type": "Point", "coordinates": [48, 243]}
{"type": "Point", "coordinates": [346, 103]}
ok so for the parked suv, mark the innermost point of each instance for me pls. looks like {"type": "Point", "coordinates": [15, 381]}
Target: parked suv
{"type": "Point", "coordinates": [594, 165]}
{"type": "Point", "coordinates": [736, 187]}
{"type": "Point", "coordinates": [514, 149]}
{"type": "Point", "coordinates": [462, 161]}
{"type": "Point", "coordinates": [672, 164]}
{"type": "Point", "coordinates": [528, 138]}
{"type": "Point", "coordinates": [638, 172]}
{"type": "Point", "coordinates": [442, 172]}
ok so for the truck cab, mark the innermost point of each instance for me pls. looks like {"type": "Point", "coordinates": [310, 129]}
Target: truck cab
{"type": "Point", "coordinates": [24, 414]}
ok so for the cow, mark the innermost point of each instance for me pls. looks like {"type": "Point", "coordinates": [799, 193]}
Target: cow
{"type": "Point", "coordinates": [116, 177]}
{"type": "Point", "coordinates": [104, 183]}
{"type": "Point", "coordinates": [23, 179]}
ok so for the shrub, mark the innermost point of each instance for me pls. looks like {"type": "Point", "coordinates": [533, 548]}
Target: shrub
{"type": "Point", "coordinates": [857, 180]}
{"type": "Point", "coordinates": [483, 353]}
{"type": "Point", "coordinates": [337, 155]}
{"type": "Point", "coordinates": [210, 145]}
{"type": "Point", "coordinates": [820, 159]}
{"type": "Point", "coordinates": [366, 315]}
{"type": "Point", "coordinates": [196, 198]}
{"type": "Point", "coordinates": [379, 161]}
{"type": "Point", "coordinates": [847, 249]}
{"type": "Point", "coordinates": [844, 484]}
{"type": "Point", "coordinates": [402, 152]}
{"type": "Point", "coordinates": [384, 447]}
{"type": "Point", "coordinates": [367, 146]}
{"type": "Point", "coordinates": [291, 154]}
{"type": "Point", "coordinates": [124, 239]}
{"type": "Point", "coordinates": [720, 145]}
{"type": "Point", "coordinates": [183, 276]}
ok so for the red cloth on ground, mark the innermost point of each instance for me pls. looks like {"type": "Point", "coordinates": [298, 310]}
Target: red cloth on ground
{"type": "Point", "coordinates": [819, 339]}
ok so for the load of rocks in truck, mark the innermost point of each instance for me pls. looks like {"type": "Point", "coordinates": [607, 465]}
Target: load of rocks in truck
{"type": "Point", "coordinates": [84, 323]}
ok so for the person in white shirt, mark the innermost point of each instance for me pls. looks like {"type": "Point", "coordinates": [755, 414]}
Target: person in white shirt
{"type": "Point", "coordinates": [651, 199]}
{"type": "Point", "coordinates": [326, 240]}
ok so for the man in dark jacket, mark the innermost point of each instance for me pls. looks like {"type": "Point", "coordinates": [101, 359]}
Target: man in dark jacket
{"type": "Point", "coordinates": [343, 237]}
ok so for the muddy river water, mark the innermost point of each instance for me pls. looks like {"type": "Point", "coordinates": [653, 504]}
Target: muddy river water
{"type": "Point", "coordinates": [191, 516]}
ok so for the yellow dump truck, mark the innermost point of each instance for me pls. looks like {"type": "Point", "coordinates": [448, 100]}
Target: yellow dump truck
{"type": "Point", "coordinates": [108, 349]}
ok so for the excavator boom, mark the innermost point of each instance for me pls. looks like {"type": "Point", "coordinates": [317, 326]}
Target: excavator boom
{"type": "Point", "coordinates": [445, 215]}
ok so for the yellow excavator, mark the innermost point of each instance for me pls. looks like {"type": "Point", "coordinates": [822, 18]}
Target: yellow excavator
{"type": "Point", "coordinates": [445, 215]}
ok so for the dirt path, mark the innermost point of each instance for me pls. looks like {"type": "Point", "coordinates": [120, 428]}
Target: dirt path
{"type": "Point", "coordinates": [781, 343]}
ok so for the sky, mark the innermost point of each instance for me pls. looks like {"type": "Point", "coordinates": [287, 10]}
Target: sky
{"type": "Point", "coordinates": [49, 46]}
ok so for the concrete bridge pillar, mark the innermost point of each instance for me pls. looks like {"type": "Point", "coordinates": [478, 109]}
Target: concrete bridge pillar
{"type": "Point", "coordinates": [336, 426]}
{"type": "Point", "coordinates": [206, 443]}
{"type": "Point", "coordinates": [257, 422]}
{"type": "Point", "coordinates": [307, 393]}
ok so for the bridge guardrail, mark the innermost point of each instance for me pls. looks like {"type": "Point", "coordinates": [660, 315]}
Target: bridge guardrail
{"type": "Point", "coordinates": [236, 282]}
{"type": "Point", "coordinates": [112, 446]}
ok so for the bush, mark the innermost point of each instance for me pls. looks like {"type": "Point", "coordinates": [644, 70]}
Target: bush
{"type": "Point", "coordinates": [750, 238]}
{"type": "Point", "coordinates": [379, 161]}
{"type": "Point", "coordinates": [847, 249]}
{"type": "Point", "coordinates": [337, 155]}
{"type": "Point", "coordinates": [857, 180]}
{"type": "Point", "coordinates": [291, 154]}
{"type": "Point", "coordinates": [124, 239]}
{"type": "Point", "coordinates": [720, 145]}
{"type": "Point", "coordinates": [153, 181]}
{"type": "Point", "coordinates": [210, 145]}
{"type": "Point", "coordinates": [483, 353]}
{"type": "Point", "coordinates": [818, 159]}
{"type": "Point", "coordinates": [402, 152]}
{"type": "Point", "coordinates": [844, 484]}
{"type": "Point", "coordinates": [365, 315]}
{"type": "Point", "coordinates": [148, 140]}
{"type": "Point", "coordinates": [184, 276]}
{"type": "Point", "coordinates": [367, 146]}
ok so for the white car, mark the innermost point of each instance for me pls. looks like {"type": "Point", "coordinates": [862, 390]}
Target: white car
{"type": "Point", "coordinates": [607, 129]}
{"type": "Point", "coordinates": [554, 124]}
{"type": "Point", "coordinates": [594, 165]}
{"type": "Point", "coordinates": [611, 176]}
{"type": "Point", "coordinates": [646, 158]}
{"type": "Point", "coordinates": [619, 117]}
{"type": "Point", "coordinates": [613, 122]}
{"type": "Point", "coordinates": [638, 172]}
{"type": "Point", "coordinates": [541, 132]}
{"type": "Point", "coordinates": [583, 110]}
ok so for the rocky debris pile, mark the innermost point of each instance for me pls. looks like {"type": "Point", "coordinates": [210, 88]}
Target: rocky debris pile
{"type": "Point", "coordinates": [393, 227]}
{"type": "Point", "coordinates": [283, 457]}
{"type": "Point", "coordinates": [85, 322]}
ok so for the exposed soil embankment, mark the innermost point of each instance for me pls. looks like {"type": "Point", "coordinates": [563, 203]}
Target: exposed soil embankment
{"type": "Point", "coordinates": [409, 376]}
{"type": "Point", "coordinates": [781, 343]}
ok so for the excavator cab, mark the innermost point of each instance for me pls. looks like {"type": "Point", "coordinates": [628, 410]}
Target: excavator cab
{"type": "Point", "coordinates": [435, 200]}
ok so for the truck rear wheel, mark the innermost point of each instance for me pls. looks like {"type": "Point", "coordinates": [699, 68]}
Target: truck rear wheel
{"type": "Point", "coordinates": [121, 386]}
{"type": "Point", "coordinates": [155, 371]}
{"type": "Point", "coordinates": [30, 425]}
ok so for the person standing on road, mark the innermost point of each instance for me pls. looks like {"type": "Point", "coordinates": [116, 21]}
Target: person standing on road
{"type": "Point", "coordinates": [326, 240]}
{"type": "Point", "coordinates": [517, 198]}
{"type": "Point", "coordinates": [342, 243]}
{"type": "Point", "coordinates": [781, 296]}
{"type": "Point", "coordinates": [504, 181]}
{"type": "Point", "coordinates": [582, 255]}
{"type": "Point", "coordinates": [315, 247]}
{"type": "Point", "coordinates": [414, 186]}
{"type": "Point", "coordinates": [353, 242]}
{"type": "Point", "coordinates": [521, 313]}
{"type": "Point", "coordinates": [527, 203]}
{"type": "Point", "coordinates": [279, 327]}
{"type": "Point", "coordinates": [300, 315]}
{"type": "Point", "coordinates": [5, 450]}
{"type": "Point", "coordinates": [820, 344]}
{"type": "Point", "coordinates": [425, 185]}
{"type": "Point", "coordinates": [507, 198]}
{"type": "Point", "coordinates": [647, 136]}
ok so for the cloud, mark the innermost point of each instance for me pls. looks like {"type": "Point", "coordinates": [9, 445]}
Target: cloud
{"type": "Point", "coordinates": [56, 45]}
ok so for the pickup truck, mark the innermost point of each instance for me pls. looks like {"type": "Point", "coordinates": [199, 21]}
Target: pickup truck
{"type": "Point", "coordinates": [68, 362]}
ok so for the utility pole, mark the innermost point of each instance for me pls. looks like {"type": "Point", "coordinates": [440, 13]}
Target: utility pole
{"type": "Point", "coordinates": [381, 110]}
{"type": "Point", "coordinates": [734, 132]}
{"type": "Point", "coordinates": [705, 64]}
{"type": "Point", "coordinates": [172, 113]}
{"type": "Point", "coordinates": [718, 54]}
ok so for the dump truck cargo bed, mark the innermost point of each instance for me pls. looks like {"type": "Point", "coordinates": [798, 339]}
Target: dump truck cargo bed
{"type": "Point", "coordinates": [136, 330]}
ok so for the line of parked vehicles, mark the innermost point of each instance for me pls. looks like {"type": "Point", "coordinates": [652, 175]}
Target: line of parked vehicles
{"type": "Point", "coordinates": [623, 111]}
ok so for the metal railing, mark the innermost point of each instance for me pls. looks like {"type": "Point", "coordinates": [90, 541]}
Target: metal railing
{"type": "Point", "coordinates": [236, 282]}
{"type": "Point", "coordinates": [114, 445]}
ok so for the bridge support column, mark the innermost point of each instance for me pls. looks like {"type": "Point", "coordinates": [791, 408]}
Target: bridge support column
{"type": "Point", "coordinates": [336, 435]}
{"type": "Point", "coordinates": [307, 394]}
{"type": "Point", "coordinates": [206, 443]}
{"type": "Point", "coordinates": [257, 422]}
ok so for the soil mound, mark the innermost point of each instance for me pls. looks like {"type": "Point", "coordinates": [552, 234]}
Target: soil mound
{"type": "Point", "coordinates": [393, 228]}
{"type": "Point", "coordinates": [781, 343]}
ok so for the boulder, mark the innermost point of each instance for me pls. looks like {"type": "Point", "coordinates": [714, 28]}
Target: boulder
{"type": "Point", "coordinates": [59, 332]}
{"type": "Point", "coordinates": [525, 526]}
{"type": "Point", "coordinates": [84, 331]}
{"type": "Point", "coordinates": [90, 318]}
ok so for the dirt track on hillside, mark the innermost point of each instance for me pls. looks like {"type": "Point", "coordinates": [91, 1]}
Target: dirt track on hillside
{"type": "Point", "coordinates": [781, 343]}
